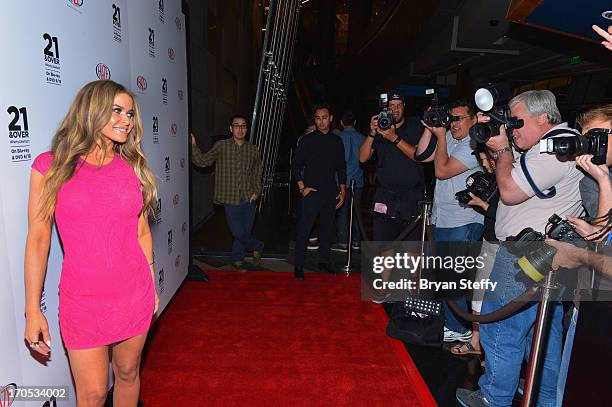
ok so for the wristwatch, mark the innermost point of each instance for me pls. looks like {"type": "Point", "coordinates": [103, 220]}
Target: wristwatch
{"type": "Point", "coordinates": [397, 140]}
{"type": "Point", "coordinates": [499, 152]}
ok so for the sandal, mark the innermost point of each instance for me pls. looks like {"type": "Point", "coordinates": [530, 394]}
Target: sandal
{"type": "Point", "coordinates": [456, 350]}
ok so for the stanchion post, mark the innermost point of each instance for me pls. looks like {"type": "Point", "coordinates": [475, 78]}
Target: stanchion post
{"type": "Point", "coordinates": [538, 341]}
{"type": "Point", "coordinates": [426, 223]}
{"type": "Point", "coordinates": [347, 267]}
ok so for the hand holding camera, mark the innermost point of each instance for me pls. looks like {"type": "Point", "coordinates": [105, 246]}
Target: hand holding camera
{"type": "Point", "coordinates": [589, 231]}
{"type": "Point", "coordinates": [600, 173]}
{"type": "Point", "coordinates": [567, 255]}
{"type": "Point", "coordinates": [437, 131]}
{"type": "Point", "coordinates": [374, 125]}
{"type": "Point", "coordinates": [536, 263]}
{"type": "Point", "coordinates": [498, 142]}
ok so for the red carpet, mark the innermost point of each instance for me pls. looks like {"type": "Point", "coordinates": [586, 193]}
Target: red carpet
{"type": "Point", "coordinates": [264, 338]}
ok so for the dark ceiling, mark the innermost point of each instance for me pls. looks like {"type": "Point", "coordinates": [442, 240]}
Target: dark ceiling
{"type": "Point", "coordinates": [458, 44]}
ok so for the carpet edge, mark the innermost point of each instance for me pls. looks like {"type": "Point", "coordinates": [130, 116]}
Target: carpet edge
{"type": "Point", "coordinates": [423, 393]}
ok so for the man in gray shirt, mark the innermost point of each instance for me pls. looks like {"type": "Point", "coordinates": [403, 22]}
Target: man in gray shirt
{"type": "Point", "coordinates": [453, 161]}
{"type": "Point", "coordinates": [524, 204]}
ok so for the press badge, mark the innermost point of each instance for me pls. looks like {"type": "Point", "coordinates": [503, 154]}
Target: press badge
{"type": "Point", "coordinates": [380, 208]}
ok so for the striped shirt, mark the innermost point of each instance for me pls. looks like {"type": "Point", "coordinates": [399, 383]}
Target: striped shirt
{"type": "Point", "coordinates": [238, 170]}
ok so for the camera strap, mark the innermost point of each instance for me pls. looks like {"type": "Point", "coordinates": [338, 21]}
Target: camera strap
{"type": "Point", "coordinates": [431, 148]}
{"type": "Point", "coordinates": [552, 190]}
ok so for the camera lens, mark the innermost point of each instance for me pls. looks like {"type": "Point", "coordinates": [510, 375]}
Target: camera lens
{"type": "Point", "coordinates": [480, 132]}
{"type": "Point", "coordinates": [567, 145]}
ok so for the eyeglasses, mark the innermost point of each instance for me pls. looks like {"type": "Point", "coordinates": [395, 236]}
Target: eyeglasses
{"type": "Point", "coordinates": [239, 126]}
{"type": "Point", "coordinates": [458, 118]}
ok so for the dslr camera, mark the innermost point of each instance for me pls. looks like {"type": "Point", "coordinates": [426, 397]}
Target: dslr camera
{"type": "Point", "coordinates": [485, 99]}
{"type": "Point", "coordinates": [385, 117]}
{"type": "Point", "coordinates": [537, 263]}
{"type": "Point", "coordinates": [481, 184]}
{"type": "Point", "coordinates": [594, 142]}
{"type": "Point", "coordinates": [436, 116]}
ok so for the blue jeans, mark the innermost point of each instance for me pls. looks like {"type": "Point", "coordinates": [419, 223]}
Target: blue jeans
{"type": "Point", "coordinates": [565, 358]}
{"type": "Point", "coordinates": [342, 218]}
{"type": "Point", "coordinates": [240, 220]}
{"type": "Point", "coordinates": [507, 342]}
{"type": "Point", "coordinates": [466, 233]}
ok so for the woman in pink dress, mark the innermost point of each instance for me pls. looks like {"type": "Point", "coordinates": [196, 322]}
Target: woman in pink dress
{"type": "Point", "coordinates": [96, 185]}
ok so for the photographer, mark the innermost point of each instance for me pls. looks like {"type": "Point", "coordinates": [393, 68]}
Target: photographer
{"type": "Point", "coordinates": [596, 192]}
{"type": "Point", "coordinates": [400, 180]}
{"type": "Point", "coordinates": [453, 162]}
{"type": "Point", "coordinates": [523, 204]}
{"type": "Point", "coordinates": [489, 246]}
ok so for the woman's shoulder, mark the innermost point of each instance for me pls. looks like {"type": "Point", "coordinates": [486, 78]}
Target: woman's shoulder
{"type": "Point", "coordinates": [43, 161]}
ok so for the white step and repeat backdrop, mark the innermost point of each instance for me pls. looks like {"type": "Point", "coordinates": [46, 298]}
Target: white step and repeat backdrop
{"type": "Point", "coordinates": [52, 48]}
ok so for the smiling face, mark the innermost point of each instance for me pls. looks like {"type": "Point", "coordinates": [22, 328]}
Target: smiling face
{"type": "Point", "coordinates": [397, 108]}
{"type": "Point", "coordinates": [121, 121]}
{"type": "Point", "coordinates": [461, 128]}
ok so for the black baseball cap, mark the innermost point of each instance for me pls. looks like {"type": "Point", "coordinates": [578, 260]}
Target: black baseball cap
{"type": "Point", "coordinates": [396, 95]}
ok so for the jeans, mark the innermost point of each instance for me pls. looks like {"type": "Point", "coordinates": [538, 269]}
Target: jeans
{"type": "Point", "coordinates": [565, 358]}
{"type": "Point", "coordinates": [466, 233]}
{"type": "Point", "coordinates": [313, 205]}
{"type": "Point", "coordinates": [342, 218]}
{"type": "Point", "coordinates": [507, 342]}
{"type": "Point", "coordinates": [240, 220]}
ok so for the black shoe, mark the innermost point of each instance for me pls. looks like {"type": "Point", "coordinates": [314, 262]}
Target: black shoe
{"type": "Point", "coordinates": [298, 273]}
{"type": "Point", "coordinates": [325, 267]}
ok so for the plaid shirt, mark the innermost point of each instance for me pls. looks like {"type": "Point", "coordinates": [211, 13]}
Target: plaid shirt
{"type": "Point", "coordinates": [238, 172]}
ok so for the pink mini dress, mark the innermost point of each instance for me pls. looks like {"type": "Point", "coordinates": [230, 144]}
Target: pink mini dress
{"type": "Point", "coordinates": [106, 292]}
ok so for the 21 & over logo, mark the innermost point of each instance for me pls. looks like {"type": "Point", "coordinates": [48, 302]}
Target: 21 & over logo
{"type": "Point", "coordinates": [18, 134]}
{"type": "Point", "coordinates": [52, 61]}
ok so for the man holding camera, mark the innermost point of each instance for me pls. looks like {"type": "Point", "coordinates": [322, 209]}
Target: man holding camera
{"type": "Point", "coordinates": [532, 188]}
{"type": "Point", "coordinates": [400, 180]}
{"type": "Point", "coordinates": [453, 161]}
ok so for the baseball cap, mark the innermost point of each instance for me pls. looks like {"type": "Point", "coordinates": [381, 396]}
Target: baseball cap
{"type": "Point", "coordinates": [395, 95]}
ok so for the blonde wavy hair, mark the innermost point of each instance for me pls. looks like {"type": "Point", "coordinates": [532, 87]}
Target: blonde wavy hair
{"type": "Point", "coordinates": [80, 132]}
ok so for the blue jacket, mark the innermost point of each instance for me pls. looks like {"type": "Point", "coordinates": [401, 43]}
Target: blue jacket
{"type": "Point", "coordinates": [352, 140]}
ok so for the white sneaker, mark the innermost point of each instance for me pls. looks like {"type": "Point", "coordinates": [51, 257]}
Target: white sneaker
{"type": "Point", "coordinates": [452, 336]}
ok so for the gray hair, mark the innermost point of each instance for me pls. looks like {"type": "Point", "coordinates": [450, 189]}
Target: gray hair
{"type": "Point", "coordinates": [538, 102]}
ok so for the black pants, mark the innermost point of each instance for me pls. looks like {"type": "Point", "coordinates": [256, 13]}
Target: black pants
{"type": "Point", "coordinates": [402, 207]}
{"type": "Point", "coordinates": [312, 206]}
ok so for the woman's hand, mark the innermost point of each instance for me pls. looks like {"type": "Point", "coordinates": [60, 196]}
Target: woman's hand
{"type": "Point", "coordinates": [36, 324]}
{"type": "Point", "coordinates": [475, 201]}
{"type": "Point", "coordinates": [600, 173]}
{"type": "Point", "coordinates": [606, 35]}
{"type": "Point", "coordinates": [585, 229]}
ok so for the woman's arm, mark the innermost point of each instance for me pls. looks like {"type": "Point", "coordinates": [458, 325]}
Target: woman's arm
{"type": "Point", "coordinates": [37, 246]}
{"type": "Point", "coordinates": [146, 243]}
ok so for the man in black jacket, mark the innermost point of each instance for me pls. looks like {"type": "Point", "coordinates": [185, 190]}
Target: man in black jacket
{"type": "Point", "coordinates": [319, 162]}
